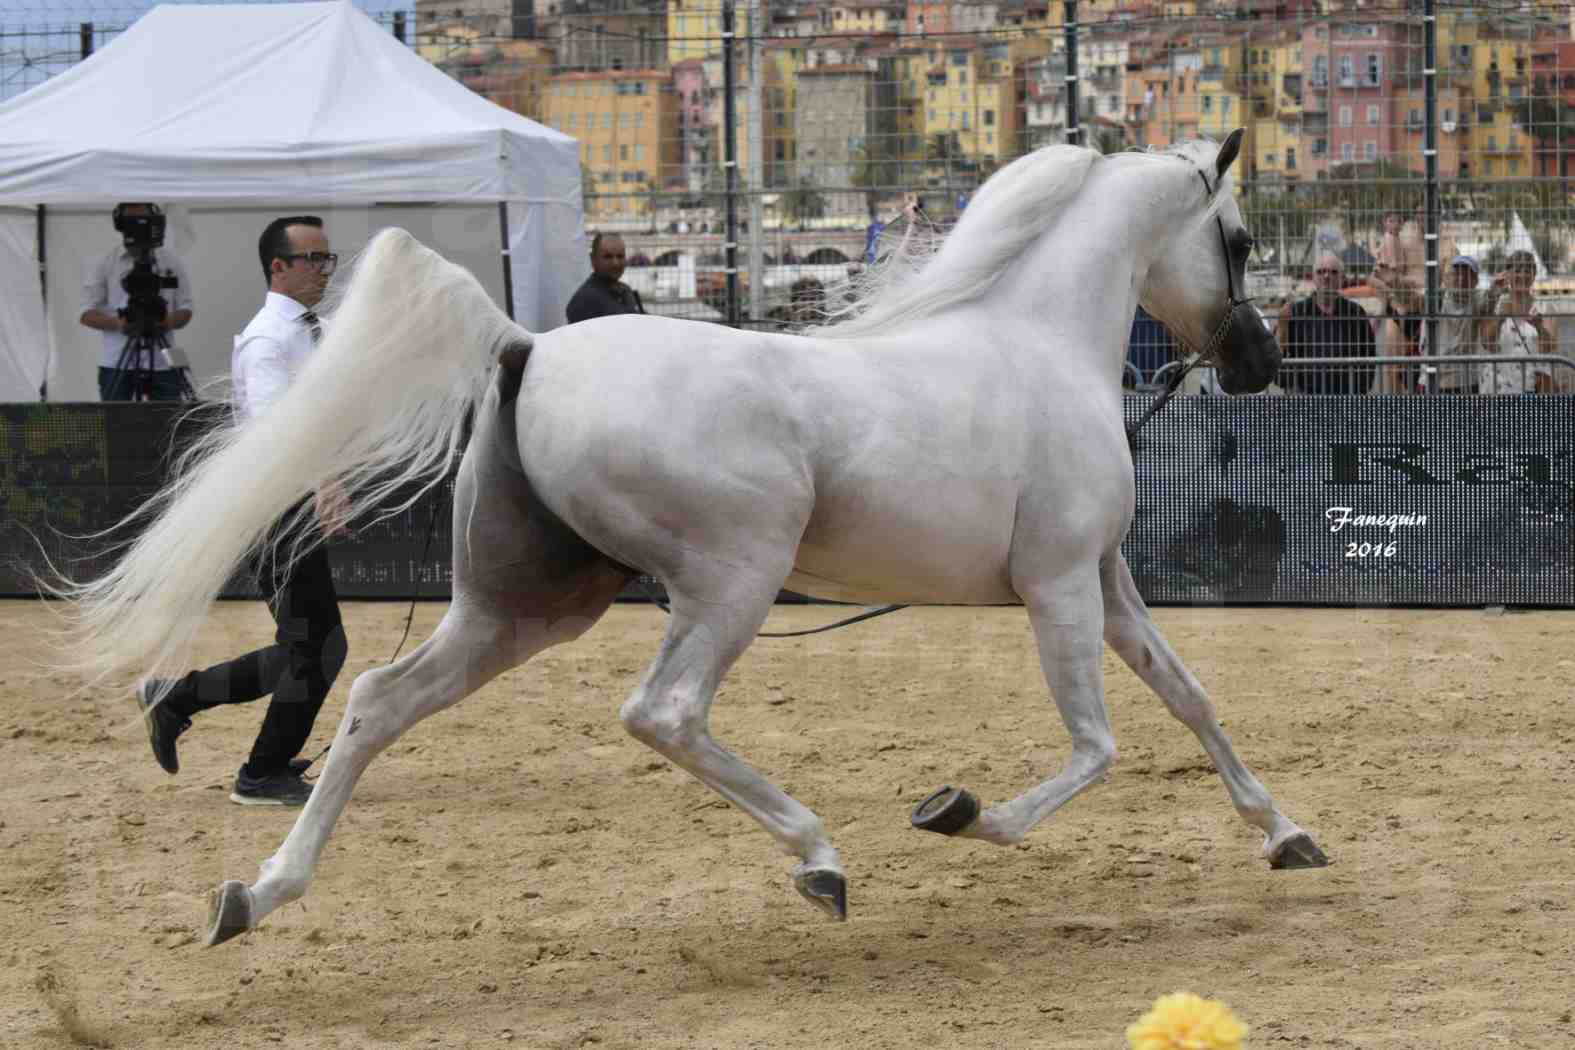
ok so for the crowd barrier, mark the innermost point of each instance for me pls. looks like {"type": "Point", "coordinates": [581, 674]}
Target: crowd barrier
{"type": "Point", "coordinates": [1370, 500]}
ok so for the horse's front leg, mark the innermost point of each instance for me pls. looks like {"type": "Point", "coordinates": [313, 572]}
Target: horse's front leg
{"type": "Point", "coordinates": [1137, 640]}
{"type": "Point", "coordinates": [671, 708]}
{"type": "Point", "coordinates": [1068, 621]}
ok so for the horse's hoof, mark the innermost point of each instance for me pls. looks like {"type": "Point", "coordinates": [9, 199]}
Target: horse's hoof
{"type": "Point", "coordinates": [826, 889]}
{"type": "Point", "coordinates": [1298, 851]}
{"type": "Point", "coordinates": [229, 912]}
{"type": "Point", "coordinates": [947, 811]}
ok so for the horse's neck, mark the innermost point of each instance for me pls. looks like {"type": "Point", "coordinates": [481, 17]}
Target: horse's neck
{"type": "Point", "coordinates": [1082, 278]}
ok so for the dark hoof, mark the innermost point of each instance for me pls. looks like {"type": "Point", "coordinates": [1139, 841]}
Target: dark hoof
{"type": "Point", "coordinates": [825, 889]}
{"type": "Point", "coordinates": [947, 811]}
{"type": "Point", "coordinates": [1298, 851]}
{"type": "Point", "coordinates": [229, 912]}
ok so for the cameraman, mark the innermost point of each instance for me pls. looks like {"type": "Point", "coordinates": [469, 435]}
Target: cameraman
{"type": "Point", "coordinates": [104, 300]}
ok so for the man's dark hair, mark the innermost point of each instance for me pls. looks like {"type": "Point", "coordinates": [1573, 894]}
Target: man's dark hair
{"type": "Point", "coordinates": [596, 241]}
{"type": "Point", "coordinates": [275, 242]}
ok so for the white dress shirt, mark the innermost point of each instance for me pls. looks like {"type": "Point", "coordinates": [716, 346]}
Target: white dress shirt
{"type": "Point", "coordinates": [101, 290]}
{"type": "Point", "coordinates": [269, 354]}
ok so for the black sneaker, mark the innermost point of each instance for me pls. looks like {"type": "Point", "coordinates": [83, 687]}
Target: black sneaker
{"type": "Point", "coordinates": [285, 788]}
{"type": "Point", "coordinates": [164, 725]}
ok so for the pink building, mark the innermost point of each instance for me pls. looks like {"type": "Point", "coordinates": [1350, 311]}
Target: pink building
{"type": "Point", "coordinates": [1354, 73]}
{"type": "Point", "coordinates": [694, 133]}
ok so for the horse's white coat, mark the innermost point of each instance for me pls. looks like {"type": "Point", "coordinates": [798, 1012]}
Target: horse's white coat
{"type": "Point", "coordinates": [945, 446]}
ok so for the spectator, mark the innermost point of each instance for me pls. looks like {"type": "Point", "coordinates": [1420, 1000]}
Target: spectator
{"type": "Point", "coordinates": [1326, 324]}
{"type": "Point", "coordinates": [1466, 324]}
{"type": "Point", "coordinates": [603, 293]}
{"type": "Point", "coordinates": [1518, 329]}
{"type": "Point", "coordinates": [104, 299]}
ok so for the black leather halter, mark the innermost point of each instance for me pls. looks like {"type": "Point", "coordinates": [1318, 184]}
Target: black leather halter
{"type": "Point", "coordinates": [1211, 350]}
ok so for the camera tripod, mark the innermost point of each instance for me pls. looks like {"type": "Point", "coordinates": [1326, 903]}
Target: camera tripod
{"type": "Point", "coordinates": [137, 360]}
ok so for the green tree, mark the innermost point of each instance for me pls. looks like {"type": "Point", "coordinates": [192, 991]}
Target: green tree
{"type": "Point", "coordinates": [803, 200]}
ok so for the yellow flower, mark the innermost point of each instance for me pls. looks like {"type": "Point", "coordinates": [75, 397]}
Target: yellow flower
{"type": "Point", "coordinates": [1183, 1021]}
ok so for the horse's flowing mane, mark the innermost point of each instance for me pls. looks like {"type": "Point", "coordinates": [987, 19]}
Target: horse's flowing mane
{"type": "Point", "coordinates": [1012, 209]}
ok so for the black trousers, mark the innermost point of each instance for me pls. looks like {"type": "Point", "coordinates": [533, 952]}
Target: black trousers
{"type": "Point", "coordinates": [298, 669]}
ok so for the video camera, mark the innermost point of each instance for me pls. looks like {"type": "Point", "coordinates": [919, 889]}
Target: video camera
{"type": "Point", "coordinates": [143, 231]}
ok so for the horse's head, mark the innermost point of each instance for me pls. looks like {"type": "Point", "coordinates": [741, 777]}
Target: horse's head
{"type": "Point", "coordinates": [1197, 284]}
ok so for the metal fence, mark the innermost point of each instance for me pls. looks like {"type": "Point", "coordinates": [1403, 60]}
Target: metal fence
{"type": "Point", "coordinates": [750, 153]}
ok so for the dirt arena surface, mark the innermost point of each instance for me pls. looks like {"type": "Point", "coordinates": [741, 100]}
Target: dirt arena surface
{"type": "Point", "coordinates": [518, 872]}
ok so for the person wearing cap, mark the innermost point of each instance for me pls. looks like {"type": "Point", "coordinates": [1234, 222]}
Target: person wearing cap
{"type": "Point", "coordinates": [1465, 324]}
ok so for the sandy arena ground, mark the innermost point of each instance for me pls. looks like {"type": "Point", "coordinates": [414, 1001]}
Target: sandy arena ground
{"type": "Point", "coordinates": [518, 872]}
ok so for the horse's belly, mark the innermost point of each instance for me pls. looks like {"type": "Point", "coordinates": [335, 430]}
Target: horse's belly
{"type": "Point", "coordinates": [931, 555]}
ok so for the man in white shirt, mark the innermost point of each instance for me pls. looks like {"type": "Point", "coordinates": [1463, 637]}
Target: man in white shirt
{"type": "Point", "coordinates": [104, 299]}
{"type": "Point", "coordinates": [310, 647]}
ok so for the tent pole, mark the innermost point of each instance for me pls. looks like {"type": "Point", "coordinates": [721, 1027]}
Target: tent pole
{"type": "Point", "coordinates": [508, 263]}
{"type": "Point", "coordinates": [43, 287]}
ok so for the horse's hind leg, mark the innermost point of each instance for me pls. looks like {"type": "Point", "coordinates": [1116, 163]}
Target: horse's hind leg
{"type": "Point", "coordinates": [1132, 633]}
{"type": "Point", "coordinates": [522, 582]}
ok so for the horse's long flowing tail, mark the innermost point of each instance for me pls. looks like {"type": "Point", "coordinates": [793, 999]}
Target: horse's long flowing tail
{"type": "Point", "coordinates": [379, 408]}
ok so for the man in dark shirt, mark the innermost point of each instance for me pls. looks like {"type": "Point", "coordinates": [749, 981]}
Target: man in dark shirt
{"type": "Point", "coordinates": [1326, 324]}
{"type": "Point", "coordinates": [603, 293]}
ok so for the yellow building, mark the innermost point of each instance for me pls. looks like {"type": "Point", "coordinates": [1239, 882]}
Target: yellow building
{"type": "Point", "coordinates": [626, 123]}
{"type": "Point", "coordinates": [1500, 71]}
{"type": "Point", "coordinates": [694, 29]}
{"type": "Point", "coordinates": [864, 16]}
{"type": "Point", "coordinates": [970, 100]}
{"type": "Point", "coordinates": [1274, 83]}
{"type": "Point", "coordinates": [1222, 84]}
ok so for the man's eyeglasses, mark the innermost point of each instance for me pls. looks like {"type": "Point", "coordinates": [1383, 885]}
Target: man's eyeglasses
{"type": "Point", "coordinates": [324, 261]}
{"type": "Point", "coordinates": [1327, 273]}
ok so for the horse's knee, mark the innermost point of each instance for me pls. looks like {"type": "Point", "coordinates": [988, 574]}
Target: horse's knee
{"type": "Point", "coordinates": [658, 720]}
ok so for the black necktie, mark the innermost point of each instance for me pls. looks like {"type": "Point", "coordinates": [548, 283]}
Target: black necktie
{"type": "Point", "coordinates": [310, 320]}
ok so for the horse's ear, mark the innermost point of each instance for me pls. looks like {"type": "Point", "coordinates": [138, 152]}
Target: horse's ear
{"type": "Point", "coordinates": [1227, 154]}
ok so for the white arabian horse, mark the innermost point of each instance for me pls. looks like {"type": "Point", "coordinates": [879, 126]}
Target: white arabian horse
{"type": "Point", "coordinates": [958, 440]}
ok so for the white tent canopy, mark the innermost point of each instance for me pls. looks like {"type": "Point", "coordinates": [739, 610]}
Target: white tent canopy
{"type": "Point", "coordinates": [234, 114]}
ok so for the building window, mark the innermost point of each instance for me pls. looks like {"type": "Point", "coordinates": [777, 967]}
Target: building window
{"type": "Point", "coordinates": [989, 118]}
{"type": "Point", "coordinates": [1225, 107]}
{"type": "Point", "coordinates": [1320, 147]}
{"type": "Point", "coordinates": [1372, 116]}
{"type": "Point", "coordinates": [1347, 152]}
{"type": "Point", "coordinates": [1372, 151]}
{"type": "Point", "coordinates": [1345, 116]}
{"type": "Point", "coordinates": [1347, 71]}
{"type": "Point", "coordinates": [1290, 158]}
{"type": "Point", "coordinates": [1208, 103]}
{"type": "Point", "coordinates": [1320, 71]}
{"type": "Point", "coordinates": [1375, 70]}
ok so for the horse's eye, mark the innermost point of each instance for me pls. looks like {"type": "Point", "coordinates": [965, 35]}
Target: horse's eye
{"type": "Point", "coordinates": [1246, 244]}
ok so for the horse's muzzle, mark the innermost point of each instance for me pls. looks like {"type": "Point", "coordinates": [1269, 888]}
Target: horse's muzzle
{"type": "Point", "coordinates": [1249, 354]}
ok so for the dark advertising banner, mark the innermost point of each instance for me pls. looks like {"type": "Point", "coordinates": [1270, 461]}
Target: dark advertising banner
{"type": "Point", "coordinates": [70, 471]}
{"type": "Point", "coordinates": [1307, 500]}
{"type": "Point", "coordinates": [1356, 500]}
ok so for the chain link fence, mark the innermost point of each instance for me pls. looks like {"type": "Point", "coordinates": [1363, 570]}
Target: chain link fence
{"type": "Point", "coordinates": [752, 154]}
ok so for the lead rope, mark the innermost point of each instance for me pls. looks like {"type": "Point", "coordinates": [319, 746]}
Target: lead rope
{"type": "Point", "coordinates": [868, 614]}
